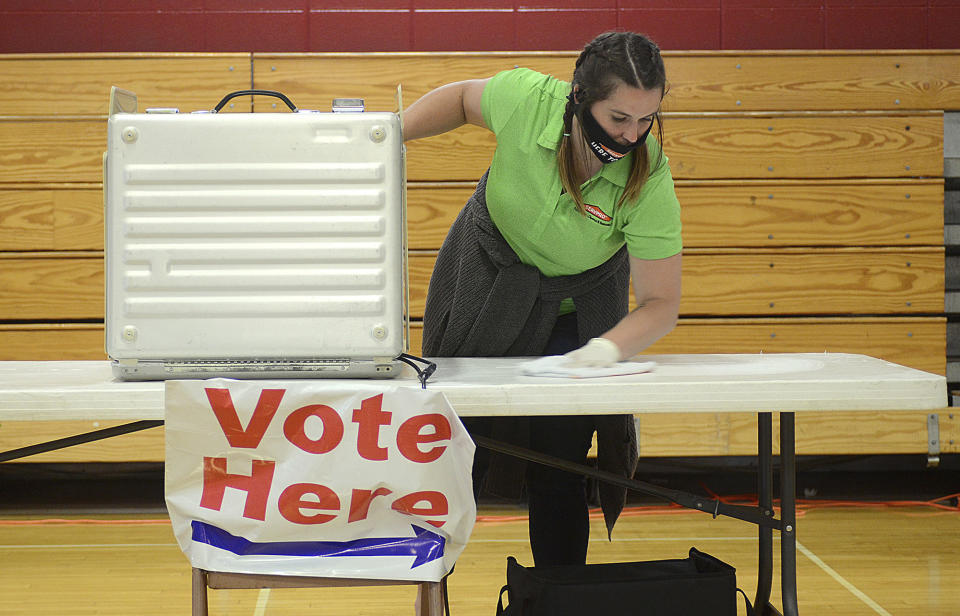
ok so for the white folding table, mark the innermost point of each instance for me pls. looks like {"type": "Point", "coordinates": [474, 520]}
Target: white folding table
{"type": "Point", "coordinates": [763, 383]}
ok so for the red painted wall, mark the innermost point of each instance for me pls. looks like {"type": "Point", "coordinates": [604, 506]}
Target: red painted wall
{"type": "Point", "coordinates": [40, 26]}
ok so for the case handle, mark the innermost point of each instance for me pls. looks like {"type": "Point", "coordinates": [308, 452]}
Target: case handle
{"type": "Point", "coordinates": [226, 98]}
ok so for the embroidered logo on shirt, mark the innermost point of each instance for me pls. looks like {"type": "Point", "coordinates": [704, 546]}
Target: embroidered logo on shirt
{"type": "Point", "coordinates": [597, 214]}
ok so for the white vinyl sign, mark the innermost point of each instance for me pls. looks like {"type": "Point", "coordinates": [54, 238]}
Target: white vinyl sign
{"type": "Point", "coordinates": [317, 479]}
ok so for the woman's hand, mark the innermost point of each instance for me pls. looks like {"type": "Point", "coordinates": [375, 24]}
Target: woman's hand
{"type": "Point", "coordinates": [596, 353]}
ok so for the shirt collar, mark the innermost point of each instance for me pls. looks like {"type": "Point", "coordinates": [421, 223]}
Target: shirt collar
{"type": "Point", "coordinates": [619, 172]}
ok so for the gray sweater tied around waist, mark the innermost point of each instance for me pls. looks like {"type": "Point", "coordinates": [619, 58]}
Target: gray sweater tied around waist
{"type": "Point", "coordinates": [483, 302]}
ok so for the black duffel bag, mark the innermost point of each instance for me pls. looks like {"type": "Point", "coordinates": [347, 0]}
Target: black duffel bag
{"type": "Point", "coordinates": [699, 584]}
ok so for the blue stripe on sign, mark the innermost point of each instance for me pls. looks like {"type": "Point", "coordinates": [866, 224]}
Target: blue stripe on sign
{"type": "Point", "coordinates": [425, 545]}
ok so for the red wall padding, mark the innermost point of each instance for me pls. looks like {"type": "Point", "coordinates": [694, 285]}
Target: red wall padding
{"type": "Point", "coordinates": [44, 26]}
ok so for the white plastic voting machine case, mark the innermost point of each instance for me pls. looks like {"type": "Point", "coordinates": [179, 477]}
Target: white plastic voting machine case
{"type": "Point", "coordinates": [254, 245]}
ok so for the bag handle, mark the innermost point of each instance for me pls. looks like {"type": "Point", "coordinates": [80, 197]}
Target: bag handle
{"type": "Point", "coordinates": [505, 588]}
{"type": "Point", "coordinates": [746, 603]}
{"type": "Point", "coordinates": [273, 93]}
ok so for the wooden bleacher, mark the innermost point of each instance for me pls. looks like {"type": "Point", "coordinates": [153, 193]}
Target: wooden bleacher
{"type": "Point", "coordinates": [811, 185]}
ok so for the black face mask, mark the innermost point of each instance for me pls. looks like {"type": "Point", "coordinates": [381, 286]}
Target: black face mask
{"type": "Point", "coordinates": [603, 146]}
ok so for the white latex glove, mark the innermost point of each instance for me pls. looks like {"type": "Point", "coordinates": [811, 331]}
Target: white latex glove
{"type": "Point", "coordinates": [596, 353]}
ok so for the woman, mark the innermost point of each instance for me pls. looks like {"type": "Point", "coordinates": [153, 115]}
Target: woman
{"type": "Point", "coordinates": [577, 201]}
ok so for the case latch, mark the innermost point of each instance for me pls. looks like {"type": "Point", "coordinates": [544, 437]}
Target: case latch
{"type": "Point", "coordinates": [347, 105]}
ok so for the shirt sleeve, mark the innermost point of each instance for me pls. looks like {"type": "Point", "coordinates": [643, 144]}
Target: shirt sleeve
{"type": "Point", "coordinates": [506, 92]}
{"type": "Point", "coordinates": [652, 227]}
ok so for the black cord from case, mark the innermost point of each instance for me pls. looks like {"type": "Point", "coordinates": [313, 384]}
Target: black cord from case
{"type": "Point", "coordinates": [422, 374]}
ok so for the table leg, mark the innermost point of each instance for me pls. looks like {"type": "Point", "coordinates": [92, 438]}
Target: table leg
{"type": "Point", "coordinates": [70, 441]}
{"type": "Point", "coordinates": [788, 514]}
{"type": "Point", "coordinates": [765, 502]}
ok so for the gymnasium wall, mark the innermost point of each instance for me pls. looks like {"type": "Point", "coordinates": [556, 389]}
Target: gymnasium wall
{"type": "Point", "coordinates": [48, 26]}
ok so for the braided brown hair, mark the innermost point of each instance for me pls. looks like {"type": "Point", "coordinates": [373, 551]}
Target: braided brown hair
{"type": "Point", "coordinates": [607, 61]}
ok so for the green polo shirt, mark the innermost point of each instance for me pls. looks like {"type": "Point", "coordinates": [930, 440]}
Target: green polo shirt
{"type": "Point", "coordinates": [524, 195]}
